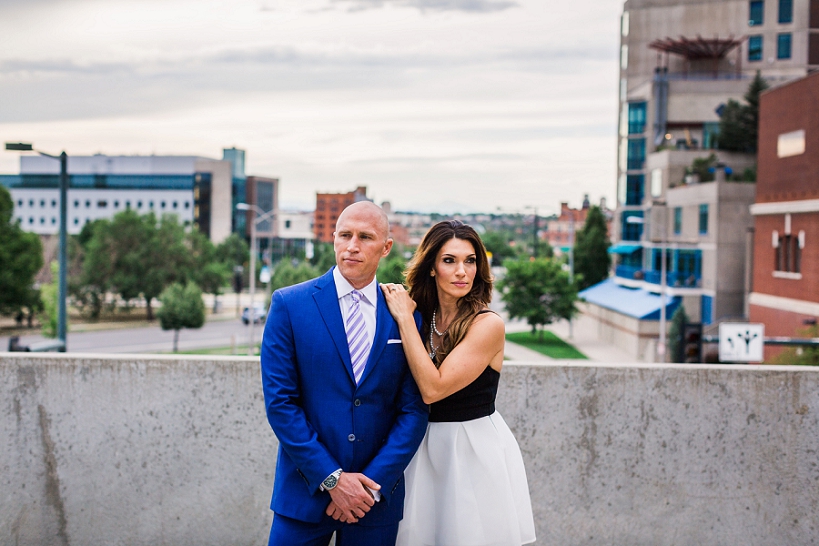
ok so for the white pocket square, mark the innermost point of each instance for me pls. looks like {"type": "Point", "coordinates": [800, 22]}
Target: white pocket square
{"type": "Point", "coordinates": [393, 341]}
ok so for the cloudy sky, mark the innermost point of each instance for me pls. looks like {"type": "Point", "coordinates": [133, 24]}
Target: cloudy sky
{"type": "Point", "coordinates": [440, 105]}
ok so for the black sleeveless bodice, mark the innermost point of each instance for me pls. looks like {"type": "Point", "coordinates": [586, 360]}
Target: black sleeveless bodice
{"type": "Point", "coordinates": [473, 401]}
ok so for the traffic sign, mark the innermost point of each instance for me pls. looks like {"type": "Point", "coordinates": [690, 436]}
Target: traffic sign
{"type": "Point", "coordinates": [741, 342]}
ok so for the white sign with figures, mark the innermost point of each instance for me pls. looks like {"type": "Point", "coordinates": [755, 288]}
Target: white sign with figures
{"type": "Point", "coordinates": [741, 342]}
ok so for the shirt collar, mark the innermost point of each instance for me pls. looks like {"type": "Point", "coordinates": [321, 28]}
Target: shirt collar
{"type": "Point", "coordinates": [343, 287]}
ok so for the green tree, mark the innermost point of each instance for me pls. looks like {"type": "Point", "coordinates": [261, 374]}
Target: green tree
{"type": "Point", "coordinates": [591, 256]}
{"type": "Point", "coordinates": [702, 167]}
{"type": "Point", "coordinates": [49, 309]}
{"type": "Point", "coordinates": [739, 123]}
{"type": "Point", "coordinates": [89, 268]}
{"type": "Point", "coordinates": [538, 291]}
{"type": "Point", "coordinates": [288, 274]}
{"type": "Point", "coordinates": [164, 258]}
{"type": "Point", "coordinates": [497, 242]}
{"type": "Point", "coordinates": [182, 307]}
{"type": "Point", "coordinates": [208, 272]}
{"type": "Point", "coordinates": [21, 258]}
{"type": "Point", "coordinates": [391, 268]}
{"type": "Point", "coordinates": [233, 251]}
{"type": "Point", "coordinates": [675, 333]}
{"type": "Point", "coordinates": [324, 256]}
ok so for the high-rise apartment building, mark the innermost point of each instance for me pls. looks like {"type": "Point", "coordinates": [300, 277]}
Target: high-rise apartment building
{"type": "Point", "coordinates": [681, 61]}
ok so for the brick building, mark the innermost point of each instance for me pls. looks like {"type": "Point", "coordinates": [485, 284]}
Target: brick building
{"type": "Point", "coordinates": [785, 289]}
{"type": "Point", "coordinates": [329, 206]}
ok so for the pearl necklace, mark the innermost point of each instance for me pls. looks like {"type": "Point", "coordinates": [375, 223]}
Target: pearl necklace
{"type": "Point", "coordinates": [433, 350]}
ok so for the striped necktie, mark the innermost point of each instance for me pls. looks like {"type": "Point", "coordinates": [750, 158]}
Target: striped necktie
{"type": "Point", "coordinates": [357, 339]}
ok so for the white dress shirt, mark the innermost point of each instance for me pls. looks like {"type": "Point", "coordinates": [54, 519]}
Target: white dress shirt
{"type": "Point", "coordinates": [367, 303]}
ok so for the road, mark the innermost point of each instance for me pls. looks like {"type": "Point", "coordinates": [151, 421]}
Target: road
{"type": "Point", "coordinates": [220, 332]}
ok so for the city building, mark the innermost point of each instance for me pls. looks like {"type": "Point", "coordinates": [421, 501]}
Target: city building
{"type": "Point", "coordinates": [560, 231]}
{"type": "Point", "coordinates": [294, 234]}
{"type": "Point", "coordinates": [785, 288]}
{"type": "Point", "coordinates": [199, 190]}
{"type": "Point", "coordinates": [680, 64]}
{"type": "Point", "coordinates": [329, 206]}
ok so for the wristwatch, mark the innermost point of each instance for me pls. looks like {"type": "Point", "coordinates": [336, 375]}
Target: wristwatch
{"type": "Point", "coordinates": [331, 481]}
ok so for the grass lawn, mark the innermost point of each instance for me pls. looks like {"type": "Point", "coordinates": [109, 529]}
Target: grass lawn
{"type": "Point", "coordinates": [241, 350]}
{"type": "Point", "coordinates": [547, 344]}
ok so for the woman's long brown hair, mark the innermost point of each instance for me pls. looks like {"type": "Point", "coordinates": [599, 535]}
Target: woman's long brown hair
{"type": "Point", "coordinates": [423, 289]}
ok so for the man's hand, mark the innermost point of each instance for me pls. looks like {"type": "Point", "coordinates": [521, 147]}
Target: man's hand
{"type": "Point", "coordinates": [351, 499]}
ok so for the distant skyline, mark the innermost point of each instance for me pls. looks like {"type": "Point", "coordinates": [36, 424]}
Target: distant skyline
{"type": "Point", "coordinates": [434, 105]}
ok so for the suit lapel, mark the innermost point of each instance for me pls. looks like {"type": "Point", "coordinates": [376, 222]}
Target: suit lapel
{"type": "Point", "coordinates": [383, 320]}
{"type": "Point", "coordinates": [326, 299]}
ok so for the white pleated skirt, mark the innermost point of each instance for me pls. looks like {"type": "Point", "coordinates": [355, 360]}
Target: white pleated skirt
{"type": "Point", "coordinates": [466, 486]}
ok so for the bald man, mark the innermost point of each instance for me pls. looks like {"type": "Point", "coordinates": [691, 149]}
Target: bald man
{"type": "Point", "coordinates": [340, 397]}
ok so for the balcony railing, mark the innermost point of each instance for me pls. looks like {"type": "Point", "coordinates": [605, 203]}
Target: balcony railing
{"type": "Point", "coordinates": [674, 278]}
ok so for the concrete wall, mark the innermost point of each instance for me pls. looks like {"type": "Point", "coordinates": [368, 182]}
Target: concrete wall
{"type": "Point", "coordinates": [176, 451]}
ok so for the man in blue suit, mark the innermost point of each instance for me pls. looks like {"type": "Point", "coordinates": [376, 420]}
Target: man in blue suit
{"type": "Point", "coordinates": [340, 397]}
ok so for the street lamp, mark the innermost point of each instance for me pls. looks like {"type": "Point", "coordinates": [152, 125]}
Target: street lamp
{"type": "Point", "coordinates": [63, 254]}
{"type": "Point", "coordinates": [261, 216]}
{"type": "Point", "coordinates": [661, 345]}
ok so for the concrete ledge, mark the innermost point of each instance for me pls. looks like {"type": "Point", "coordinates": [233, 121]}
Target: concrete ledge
{"type": "Point", "coordinates": [166, 450]}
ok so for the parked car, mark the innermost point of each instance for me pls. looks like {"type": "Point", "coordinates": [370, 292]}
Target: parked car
{"type": "Point", "coordinates": [259, 313]}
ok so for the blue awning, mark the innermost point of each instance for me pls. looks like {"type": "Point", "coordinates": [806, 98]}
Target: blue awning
{"type": "Point", "coordinates": [624, 248]}
{"type": "Point", "coordinates": [633, 302]}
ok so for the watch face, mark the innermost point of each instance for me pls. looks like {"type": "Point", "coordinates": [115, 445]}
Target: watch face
{"type": "Point", "coordinates": [330, 482]}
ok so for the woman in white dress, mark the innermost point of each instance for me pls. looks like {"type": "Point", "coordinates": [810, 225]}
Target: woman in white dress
{"type": "Point", "coordinates": [466, 485]}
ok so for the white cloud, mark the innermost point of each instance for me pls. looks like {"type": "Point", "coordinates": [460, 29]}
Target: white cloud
{"type": "Point", "coordinates": [418, 99]}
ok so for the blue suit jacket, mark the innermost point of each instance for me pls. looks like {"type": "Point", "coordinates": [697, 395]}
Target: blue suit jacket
{"type": "Point", "coordinates": [322, 419]}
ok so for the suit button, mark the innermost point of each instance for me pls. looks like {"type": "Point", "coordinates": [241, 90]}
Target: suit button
{"type": "Point", "coordinates": [357, 402]}
{"type": "Point", "coordinates": [351, 437]}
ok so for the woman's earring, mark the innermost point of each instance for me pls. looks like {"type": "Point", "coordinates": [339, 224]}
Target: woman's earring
{"type": "Point", "coordinates": [432, 273]}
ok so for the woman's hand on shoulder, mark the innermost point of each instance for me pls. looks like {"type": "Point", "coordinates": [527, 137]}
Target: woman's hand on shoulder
{"type": "Point", "coordinates": [401, 305]}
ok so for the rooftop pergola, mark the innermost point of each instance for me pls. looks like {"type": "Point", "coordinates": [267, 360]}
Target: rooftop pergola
{"type": "Point", "coordinates": [699, 48]}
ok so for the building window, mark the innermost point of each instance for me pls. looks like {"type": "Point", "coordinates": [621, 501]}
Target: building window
{"type": "Point", "coordinates": [76, 203]}
{"type": "Point", "coordinates": [116, 204]}
{"type": "Point", "coordinates": [53, 203]}
{"type": "Point", "coordinates": [677, 220]}
{"type": "Point", "coordinates": [636, 154]}
{"type": "Point", "coordinates": [632, 231]}
{"type": "Point", "coordinates": [88, 203]}
{"type": "Point", "coordinates": [783, 46]}
{"type": "Point", "coordinates": [162, 204]}
{"type": "Point", "coordinates": [31, 202]}
{"type": "Point", "coordinates": [287, 224]}
{"type": "Point", "coordinates": [76, 221]}
{"type": "Point", "coordinates": [150, 204]}
{"type": "Point", "coordinates": [53, 220]}
{"type": "Point", "coordinates": [703, 219]}
{"type": "Point", "coordinates": [755, 48]}
{"type": "Point", "coordinates": [139, 204]}
{"type": "Point", "coordinates": [42, 203]}
{"type": "Point", "coordinates": [624, 56]}
{"type": "Point", "coordinates": [785, 11]}
{"type": "Point", "coordinates": [102, 204]}
{"type": "Point", "coordinates": [19, 202]}
{"type": "Point", "coordinates": [656, 182]}
{"type": "Point", "coordinates": [128, 204]}
{"type": "Point", "coordinates": [175, 204]}
{"type": "Point", "coordinates": [788, 254]}
{"type": "Point", "coordinates": [30, 219]}
{"type": "Point", "coordinates": [634, 189]}
{"type": "Point", "coordinates": [636, 118]}
{"type": "Point", "coordinates": [756, 13]}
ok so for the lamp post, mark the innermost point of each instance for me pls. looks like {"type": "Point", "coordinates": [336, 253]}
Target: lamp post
{"type": "Point", "coordinates": [261, 216]}
{"type": "Point", "coordinates": [571, 259]}
{"type": "Point", "coordinates": [63, 253]}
